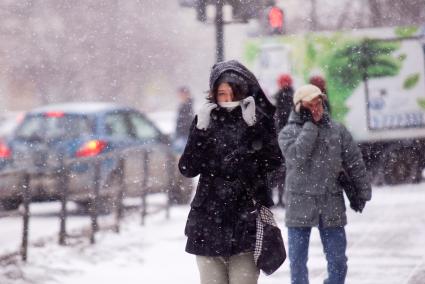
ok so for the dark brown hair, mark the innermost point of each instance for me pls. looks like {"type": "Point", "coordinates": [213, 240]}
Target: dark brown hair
{"type": "Point", "coordinates": [236, 89]}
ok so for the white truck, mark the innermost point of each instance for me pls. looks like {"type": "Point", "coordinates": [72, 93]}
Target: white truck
{"type": "Point", "coordinates": [375, 86]}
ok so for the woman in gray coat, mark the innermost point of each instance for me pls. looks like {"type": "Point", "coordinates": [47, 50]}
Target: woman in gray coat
{"type": "Point", "coordinates": [317, 150]}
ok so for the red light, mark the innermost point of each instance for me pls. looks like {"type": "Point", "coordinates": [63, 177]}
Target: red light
{"type": "Point", "coordinates": [276, 18]}
{"type": "Point", "coordinates": [54, 114]}
{"type": "Point", "coordinates": [20, 117]}
{"type": "Point", "coordinates": [91, 148]}
{"type": "Point", "coordinates": [4, 151]}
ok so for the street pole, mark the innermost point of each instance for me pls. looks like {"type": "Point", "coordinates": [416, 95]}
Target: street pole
{"type": "Point", "coordinates": [219, 29]}
{"type": "Point", "coordinates": [365, 76]}
{"type": "Point", "coordinates": [313, 16]}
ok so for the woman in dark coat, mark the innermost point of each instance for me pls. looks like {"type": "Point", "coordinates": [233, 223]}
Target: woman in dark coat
{"type": "Point", "coordinates": [232, 145]}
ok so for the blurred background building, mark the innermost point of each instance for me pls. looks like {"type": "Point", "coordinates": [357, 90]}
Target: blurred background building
{"type": "Point", "coordinates": [138, 52]}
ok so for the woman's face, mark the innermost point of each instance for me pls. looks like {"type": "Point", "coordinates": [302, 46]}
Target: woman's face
{"type": "Point", "coordinates": [224, 93]}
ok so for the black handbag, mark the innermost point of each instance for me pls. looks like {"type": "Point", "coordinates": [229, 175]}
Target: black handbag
{"type": "Point", "coordinates": [269, 253]}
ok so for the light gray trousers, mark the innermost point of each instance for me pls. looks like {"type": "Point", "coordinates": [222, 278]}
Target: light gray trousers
{"type": "Point", "coordinates": [236, 269]}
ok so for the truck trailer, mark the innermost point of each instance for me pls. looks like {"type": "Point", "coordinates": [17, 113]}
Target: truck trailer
{"type": "Point", "coordinates": [375, 87]}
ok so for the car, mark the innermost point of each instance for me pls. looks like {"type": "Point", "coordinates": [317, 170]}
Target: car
{"type": "Point", "coordinates": [81, 135]}
{"type": "Point", "coordinates": [9, 121]}
{"type": "Point", "coordinates": [165, 120]}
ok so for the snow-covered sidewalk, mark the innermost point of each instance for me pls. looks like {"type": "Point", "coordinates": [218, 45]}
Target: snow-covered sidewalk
{"type": "Point", "coordinates": [386, 245]}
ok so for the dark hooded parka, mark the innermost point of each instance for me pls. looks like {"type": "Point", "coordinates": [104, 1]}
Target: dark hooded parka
{"type": "Point", "coordinates": [233, 160]}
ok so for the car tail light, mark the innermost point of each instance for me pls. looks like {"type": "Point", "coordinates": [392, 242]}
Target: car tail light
{"type": "Point", "coordinates": [20, 117]}
{"type": "Point", "coordinates": [54, 114]}
{"type": "Point", "coordinates": [5, 152]}
{"type": "Point", "coordinates": [91, 148]}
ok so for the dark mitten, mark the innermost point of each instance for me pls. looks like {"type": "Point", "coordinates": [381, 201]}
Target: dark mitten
{"type": "Point", "coordinates": [306, 115]}
{"type": "Point", "coordinates": [358, 204]}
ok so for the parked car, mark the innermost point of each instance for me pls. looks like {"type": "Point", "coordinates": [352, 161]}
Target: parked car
{"type": "Point", "coordinates": [80, 134]}
{"type": "Point", "coordinates": [166, 122]}
{"type": "Point", "coordinates": [9, 121]}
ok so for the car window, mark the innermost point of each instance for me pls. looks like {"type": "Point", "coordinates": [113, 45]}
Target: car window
{"type": "Point", "coordinates": [116, 125]}
{"type": "Point", "coordinates": [46, 127]}
{"type": "Point", "coordinates": [142, 129]}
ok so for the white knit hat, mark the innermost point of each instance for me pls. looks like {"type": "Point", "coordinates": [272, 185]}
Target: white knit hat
{"type": "Point", "coordinates": [305, 93]}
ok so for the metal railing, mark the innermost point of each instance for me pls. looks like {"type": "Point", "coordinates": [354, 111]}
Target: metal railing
{"type": "Point", "coordinates": [62, 173]}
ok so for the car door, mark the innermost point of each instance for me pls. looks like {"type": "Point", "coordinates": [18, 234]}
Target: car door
{"type": "Point", "coordinates": [158, 159]}
{"type": "Point", "coordinates": [118, 133]}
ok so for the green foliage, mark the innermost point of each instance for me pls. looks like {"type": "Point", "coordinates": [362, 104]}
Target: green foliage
{"type": "Point", "coordinates": [311, 53]}
{"type": "Point", "coordinates": [411, 81]}
{"type": "Point", "coordinates": [402, 57]}
{"type": "Point", "coordinates": [344, 61]}
{"type": "Point", "coordinates": [383, 66]}
{"type": "Point", "coordinates": [356, 61]}
{"type": "Point", "coordinates": [406, 31]}
{"type": "Point", "coordinates": [421, 103]}
{"type": "Point", "coordinates": [251, 52]}
{"type": "Point", "coordinates": [316, 51]}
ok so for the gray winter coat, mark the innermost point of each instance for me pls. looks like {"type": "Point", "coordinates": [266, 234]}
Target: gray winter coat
{"type": "Point", "coordinates": [315, 156]}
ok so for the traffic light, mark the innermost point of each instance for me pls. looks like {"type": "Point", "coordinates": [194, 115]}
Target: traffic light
{"type": "Point", "coordinates": [275, 20]}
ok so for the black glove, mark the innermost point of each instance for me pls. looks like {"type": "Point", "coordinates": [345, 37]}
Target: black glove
{"type": "Point", "coordinates": [306, 115]}
{"type": "Point", "coordinates": [358, 204]}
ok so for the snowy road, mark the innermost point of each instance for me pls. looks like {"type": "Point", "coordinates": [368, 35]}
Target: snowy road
{"type": "Point", "coordinates": [386, 245]}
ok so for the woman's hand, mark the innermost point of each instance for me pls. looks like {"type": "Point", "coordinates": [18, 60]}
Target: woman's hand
{"type": "Point", "coordinates": [248, 111]}
{"type": "Point", "coordinates": [204, 115]}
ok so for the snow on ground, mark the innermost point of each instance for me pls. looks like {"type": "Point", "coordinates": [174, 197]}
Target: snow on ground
{"type": "Point", "coordinates": [44, 222]}
{"type": "Point", "coordinates": [386, 245]}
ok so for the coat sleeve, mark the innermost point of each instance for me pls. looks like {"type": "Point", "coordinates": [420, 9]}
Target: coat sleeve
{"type": "Point", "coordinates": [270, 158]}
{"type": "Point", "coordinates": [269, 155]}
{"type": "Point", "coordinates": [354, 165]}
{"type": "Point", "coordinates": [284, 106]}
{"type": "Point", "coordinates": [297, 146]}
{"type": "Point", "coordinates": [262, 157]}
{"type": "Point", "coordinates": [195, 153]}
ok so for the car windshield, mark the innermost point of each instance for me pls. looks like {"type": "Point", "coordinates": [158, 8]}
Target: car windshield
{"type": "Point", "coordinates": [42, 127]}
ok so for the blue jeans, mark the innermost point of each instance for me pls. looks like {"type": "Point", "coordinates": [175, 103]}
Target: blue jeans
{"type": "Point", "coordinates": [334, 245]}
